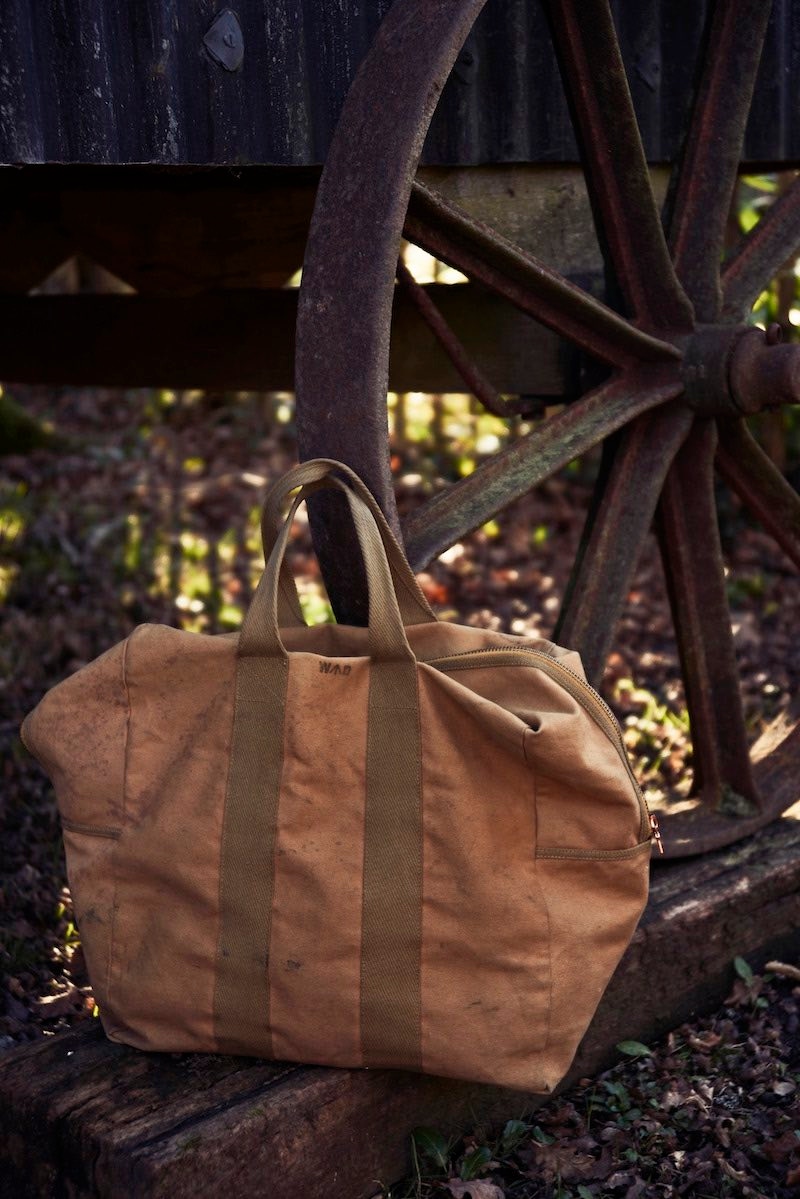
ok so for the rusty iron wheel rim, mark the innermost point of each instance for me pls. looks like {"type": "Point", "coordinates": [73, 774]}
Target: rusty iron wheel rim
{"type": "Point", "coordinates": [685, 370]}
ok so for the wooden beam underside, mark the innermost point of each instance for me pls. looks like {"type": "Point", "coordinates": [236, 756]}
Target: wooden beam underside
{"type": "Point", "coordinates": [244, 340]}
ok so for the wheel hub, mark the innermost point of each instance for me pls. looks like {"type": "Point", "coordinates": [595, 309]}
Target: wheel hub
{"type": "Point", "coordinates": [736, 370]}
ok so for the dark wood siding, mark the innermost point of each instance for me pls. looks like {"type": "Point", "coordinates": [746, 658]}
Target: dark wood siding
{"type": "Point", "coordinates": [102, 81]}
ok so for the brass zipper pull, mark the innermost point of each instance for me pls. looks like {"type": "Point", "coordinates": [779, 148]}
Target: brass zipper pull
{"type": "Point", "coordinates": [656, 832]}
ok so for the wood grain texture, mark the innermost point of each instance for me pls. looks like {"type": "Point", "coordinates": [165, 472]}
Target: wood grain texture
{"type": "Point", "coordinates": [164, 231]}
{"type": "Point", "coordinates": [243, 339]}
{"type": "Point", "coordinates": [83, 1118]}
{"type": "Point", "coordinates": [103, 82]}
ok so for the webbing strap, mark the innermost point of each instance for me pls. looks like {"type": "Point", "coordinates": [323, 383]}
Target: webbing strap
{"type": "Point", "coordinates": [247, 868]}
{"type": "Point", "coordinates": [391, 936]}
{"type": "Point", "coordinates": [414, 607]}
{"type": "Point", "coordinates": [390, 992]}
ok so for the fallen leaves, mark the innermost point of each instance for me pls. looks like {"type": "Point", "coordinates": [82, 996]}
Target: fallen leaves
{"type": "Point", "coordinates": [477, 1189]}
{"type": "Point", "coordinates": [783, 969]}
{"type": "Point", "coordinates": [561, 1160]}
{"type": "Point", "coordinates": [71, 1001]}
{"type": "Point", "coordinates": [712, 1110]}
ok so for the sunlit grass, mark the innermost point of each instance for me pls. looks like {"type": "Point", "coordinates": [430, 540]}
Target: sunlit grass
{"type": "Point", "coordinates": [132, 546]}
{"type": "Point", "coordinates": [8, 576]}
{"type": "Point", "coordinates": [756, 194]}
{"type": "Point", "coordinates": [653, 730]}
{"type": "Point", "coordinates": [283, 407]}
{"type": "Point", "coordinates": [314, 603]}
{"type": "Point", "coordinates": [12, 524]}
{"type": "Point", "coordinates": [14, 518]}
{"type": "Point", "coordinates": [230, 617]}
{"type": "Point", "coordinates": [450, 431]}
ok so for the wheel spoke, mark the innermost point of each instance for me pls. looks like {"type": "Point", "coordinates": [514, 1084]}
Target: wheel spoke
{"type": "Point", "coordinates": [760, 485]}
{"type": "Point", "coordinates": [602, 577]}
{"type": "Point", "coordinates": [611, 147]}
{"type": "Point", "coordinates": [692, 555]}
{"type": "Point", "coordinates": [758, 256]}
{"type": "Point", "coordinates": [705, 178]}
{"type": "Point", "coordinates": [509, 474]}
{"type": "Point", "coordinates": [469, 371]}
{"type": "Point", "coordinates": [447, 232]}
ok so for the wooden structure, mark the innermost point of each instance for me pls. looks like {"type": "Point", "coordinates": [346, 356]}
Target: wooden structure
{"type": "Point", "coordinates": [183, 154]}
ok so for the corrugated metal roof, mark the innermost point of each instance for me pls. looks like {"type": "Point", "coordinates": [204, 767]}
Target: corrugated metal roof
{"type": "Point", "coordinates": [107, 82]}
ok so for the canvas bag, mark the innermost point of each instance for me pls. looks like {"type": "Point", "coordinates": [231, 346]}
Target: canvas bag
{"type": "Point", "coordinates": [416, 845]}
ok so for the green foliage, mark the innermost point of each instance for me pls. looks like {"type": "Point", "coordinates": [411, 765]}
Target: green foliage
{"type": "Point", "coordinates": [474, 1163]}
{"type": "Point", "coordinates": [436, 1162]}
{"type": "Point", "coordinates": [743, 970]}
{"type": "Point", "coordinates": [512, 1135]}
{"type": "Point", "coordinates": [634, 1049]}
{"type": "Point", "coordinates": [742, 588]}
{"type": "Point", "coordinates": [19, 953]}
{"type": "Point", "coordinates": [20, 432]}
{"type": "Point", "coordinates": [316, 606]}
{"type": "Point", "coordinates": [431, 1146]}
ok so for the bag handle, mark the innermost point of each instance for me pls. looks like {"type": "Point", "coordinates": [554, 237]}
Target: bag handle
{"type": "Point", "coordinates": [392, 813]}
{"type": "Point", "coordinates": [260, 635]}
{"type": "Point", "coordinates": [414, 608]}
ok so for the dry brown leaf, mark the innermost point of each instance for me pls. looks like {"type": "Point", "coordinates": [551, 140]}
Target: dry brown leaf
{"type": "Point", "coordinates": [562, 1160]}
{"type": "Point", "coordinates": [705, 1042]}
{"type": "Point", "coordinates": [477, 1189]}
{"type": "Point", "coordinates": [781, 1148]}
{"type": "Point", "coordinates": [783, 969]}
{"type": "Point", "coordinates": [728, 1169]}
{"type": "Point", "coordinates": [66, 1002]}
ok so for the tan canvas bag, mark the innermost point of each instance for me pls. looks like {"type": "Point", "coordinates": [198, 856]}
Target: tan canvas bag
{"type": "Point", "coordinates": [416, 845]}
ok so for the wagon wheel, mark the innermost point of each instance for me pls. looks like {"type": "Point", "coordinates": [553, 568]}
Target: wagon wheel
{"type": "Point", "coordinates": [683, 368]}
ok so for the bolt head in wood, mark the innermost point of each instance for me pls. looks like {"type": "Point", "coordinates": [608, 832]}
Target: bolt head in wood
{"type": "Point", "coordinates": [225, 40]}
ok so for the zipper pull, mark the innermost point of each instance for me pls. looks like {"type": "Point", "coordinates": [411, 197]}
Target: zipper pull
{"type": "Point", "coordinates": [656, 832]}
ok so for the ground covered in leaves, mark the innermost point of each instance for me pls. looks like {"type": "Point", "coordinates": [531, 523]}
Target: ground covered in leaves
{"type": "Point", "coordinates": [148, 510]}
{"type": "Point", "coordinates": [712, 1110]}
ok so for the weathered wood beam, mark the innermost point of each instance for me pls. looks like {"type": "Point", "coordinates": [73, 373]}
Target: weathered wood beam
{"type": "Point", "coordinates": [32, 244]}
{"type": "Point", "coordinates": [167, 232]}
{"type": "Point", "coordinates": [194, 234]}
{"type": "Point", "coordinates": [81, 1116]}
{"type": "Point", "coordinates": [186, 231]}
{"type": "Point", "coordinates": [245, 340]}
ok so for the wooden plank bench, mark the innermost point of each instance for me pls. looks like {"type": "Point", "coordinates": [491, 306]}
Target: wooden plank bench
{"type": "Point", "coordinates": [82, 1117]}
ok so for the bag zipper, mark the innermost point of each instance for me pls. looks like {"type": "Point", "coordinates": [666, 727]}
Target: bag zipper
{"type": "Point", "coordinates": [580, 691]}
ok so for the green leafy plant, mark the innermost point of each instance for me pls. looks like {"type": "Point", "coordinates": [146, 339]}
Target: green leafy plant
{"type": "Point", "coordinates": [634, 1049]}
